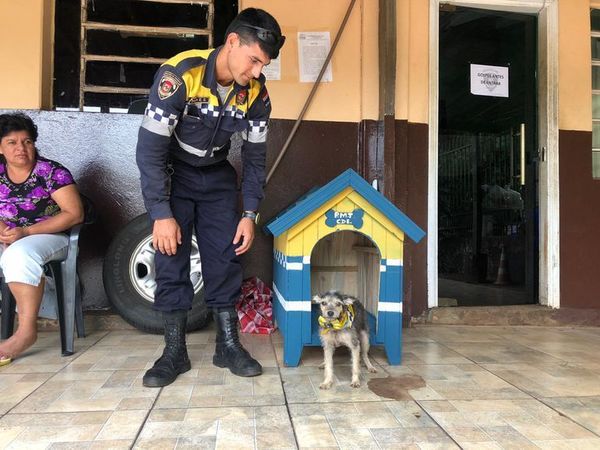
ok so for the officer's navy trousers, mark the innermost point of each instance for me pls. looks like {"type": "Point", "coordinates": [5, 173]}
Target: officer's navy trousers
{"type": "Point", "coordinates": [204, 201]}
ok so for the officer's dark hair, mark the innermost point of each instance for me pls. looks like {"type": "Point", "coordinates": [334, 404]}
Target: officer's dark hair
{"type": "Point", "coordinates": [10, 123]}
{"type": "Point", "coordinates": [255, 25]}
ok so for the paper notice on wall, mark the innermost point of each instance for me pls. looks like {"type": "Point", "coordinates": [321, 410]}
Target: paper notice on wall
{"type": "Point", "coordinates": [313, 48]}
{"type": "Point", "coordinates": [491, 81]}
{"type": "Point", "coordinates": [273, 70]}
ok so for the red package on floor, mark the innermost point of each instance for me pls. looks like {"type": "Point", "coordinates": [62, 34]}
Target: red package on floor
{"type": "Point", "coordinates": [255, 307]}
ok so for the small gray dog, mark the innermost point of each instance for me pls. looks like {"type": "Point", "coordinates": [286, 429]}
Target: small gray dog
{"type": "Point", "coordinates": [343, 321]}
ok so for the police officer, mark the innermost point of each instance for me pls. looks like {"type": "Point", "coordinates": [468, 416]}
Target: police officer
{"type": "Point", "coordinates": [198, 100]}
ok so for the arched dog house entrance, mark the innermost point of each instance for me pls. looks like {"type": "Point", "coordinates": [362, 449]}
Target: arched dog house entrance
{"type": "Point", "coordinates": [347, 203]}
{"type": "Point", "coordinates": [349, 262]}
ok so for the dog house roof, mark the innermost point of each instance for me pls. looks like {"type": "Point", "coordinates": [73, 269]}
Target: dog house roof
{"type": "Point", "coordinates": [317, 197]}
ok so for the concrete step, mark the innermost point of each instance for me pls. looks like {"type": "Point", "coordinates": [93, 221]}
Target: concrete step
{"type": "Point", "coordinates": [535, 315]}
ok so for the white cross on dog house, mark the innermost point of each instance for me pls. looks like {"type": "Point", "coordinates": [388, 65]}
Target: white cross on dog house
{"type": "Point", "coordinates": [347, 203]}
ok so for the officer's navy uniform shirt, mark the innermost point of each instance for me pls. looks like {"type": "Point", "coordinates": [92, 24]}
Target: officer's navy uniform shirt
{"type": "Point", "coordinates": [186, 120]}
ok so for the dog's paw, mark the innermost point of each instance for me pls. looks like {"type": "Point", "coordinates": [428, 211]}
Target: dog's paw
{"type": "Point", "coordinates": [355, 384]}
{"type": "Point", "coordinates": [326, 385]}
{"type": "Point", "coordinates": [372, 370]}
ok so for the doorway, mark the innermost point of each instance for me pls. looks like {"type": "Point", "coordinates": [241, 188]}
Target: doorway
{"type": "Point", "coordinates": [487, 171]}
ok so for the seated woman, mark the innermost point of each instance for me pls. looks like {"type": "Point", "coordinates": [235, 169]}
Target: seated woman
{"type": "Point", "coordinates": [38, 203]}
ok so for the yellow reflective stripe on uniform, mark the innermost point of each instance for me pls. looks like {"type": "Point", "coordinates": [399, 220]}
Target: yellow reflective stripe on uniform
{"type": "Point", "coordinates": [187, 54]}
{"type": "Point", "coordinates": [193, 84]}
{"type": "Point", "coordinates": [253, 92]}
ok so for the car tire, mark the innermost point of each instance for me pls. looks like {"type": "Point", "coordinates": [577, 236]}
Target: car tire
{"type": "Point", "coordinates": [128, 276]}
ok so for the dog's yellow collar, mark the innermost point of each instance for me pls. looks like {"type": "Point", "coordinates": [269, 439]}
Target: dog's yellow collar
{"type": "Point", "coordinates": [344, 321]}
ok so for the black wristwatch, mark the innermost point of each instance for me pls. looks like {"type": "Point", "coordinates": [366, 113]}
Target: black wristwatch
{"type": "Point", "coordinates": [252, 215]}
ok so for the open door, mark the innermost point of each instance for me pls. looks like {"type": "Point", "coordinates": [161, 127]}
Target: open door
{"type": "Point", "coordinates": [487, 182]}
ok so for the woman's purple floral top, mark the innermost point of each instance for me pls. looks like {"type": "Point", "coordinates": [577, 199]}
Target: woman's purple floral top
{"type": "Point", "coordinates": [30, 202]}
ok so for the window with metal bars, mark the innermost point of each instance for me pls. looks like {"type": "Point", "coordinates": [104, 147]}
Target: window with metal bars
{"type": "Point", "coordinates": [107, 51]}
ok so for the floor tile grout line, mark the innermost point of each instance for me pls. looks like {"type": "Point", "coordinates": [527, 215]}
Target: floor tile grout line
{"type": "Point", "coordinates": [285, 399]}
{"type": "Point", "coordinates": [103, 425]}
{"type": "Point", "coordinates": [332, 432]}
{"type": "Point", "coordinates": [51, 377]}
{"type": "Point", "coordinates": [255, 429]}
{"type": "Point", "coordinates": [374, 438]}
{"type": "Point", "coordinates": [524, 391]}
{"type": "Point", "coordinates": [418, 402]}
{"type": "Point", "coordinates": [508, 338]}
{"type": "Point", "coordinates": [139, 432]}
{"type": "Point", "coordinates": [422, 409]}
{"type": "Point", "coordinates": [540, 400]}
{"type": "Point", "coordinates": [490, 372]}
{"type": "Point", "coordinates": [479, 364]}
{"type": "Point", "coordinates": [75, 359]}
{"type": "Point", "coordinates": [572, 396]}
{"type": "Point", "coordinates": [378, 402]}
{"type": "Point", "coordinates": [80, 354]}
{"type": "Point", "coordinates": [275, 405]}
{"type": "Point", "coordinates": [216, 433]}
{"type": "Point", "coordinates": [559, 360]}
{"type": "Point", "coordinates": [287, 403]}
{"type": "Point", "coordinates": [560, 413]}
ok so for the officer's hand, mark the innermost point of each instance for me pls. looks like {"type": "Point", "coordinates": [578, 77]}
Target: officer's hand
{"type": "Point", "coordinates": [166, 234]}
{"type": "Point", "coordinates": [245, 235]}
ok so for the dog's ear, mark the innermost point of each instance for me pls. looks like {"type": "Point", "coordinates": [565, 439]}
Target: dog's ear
{"type": "Point", "coordinates": [316, 299]}
{"type": "Point", "coordinates": [348, 301]}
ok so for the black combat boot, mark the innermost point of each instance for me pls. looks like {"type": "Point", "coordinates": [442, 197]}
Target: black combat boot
{"type": "Point", "coordinates": [174, 359]}
{"type": "Point", "coordinates": [228, 350]}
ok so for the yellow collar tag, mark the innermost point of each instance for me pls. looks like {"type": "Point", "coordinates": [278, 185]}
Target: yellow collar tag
{"type": "Point", "coordinates": [344, 321]}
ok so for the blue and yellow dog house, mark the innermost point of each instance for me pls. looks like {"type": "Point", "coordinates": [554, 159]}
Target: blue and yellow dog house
{"type": "Point", "coordinates": [347, 203]}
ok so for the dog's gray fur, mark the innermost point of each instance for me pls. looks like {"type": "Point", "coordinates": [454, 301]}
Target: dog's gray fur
{"type": "Point", "coordinates": [356, 337]}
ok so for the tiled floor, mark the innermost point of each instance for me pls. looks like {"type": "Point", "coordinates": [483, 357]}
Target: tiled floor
{"type": "Point", "coordinates": [483, 387]}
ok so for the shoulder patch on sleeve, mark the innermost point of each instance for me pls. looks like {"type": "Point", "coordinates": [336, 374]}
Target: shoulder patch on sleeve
{"type": "Point", "coordinates": [168, 85]}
